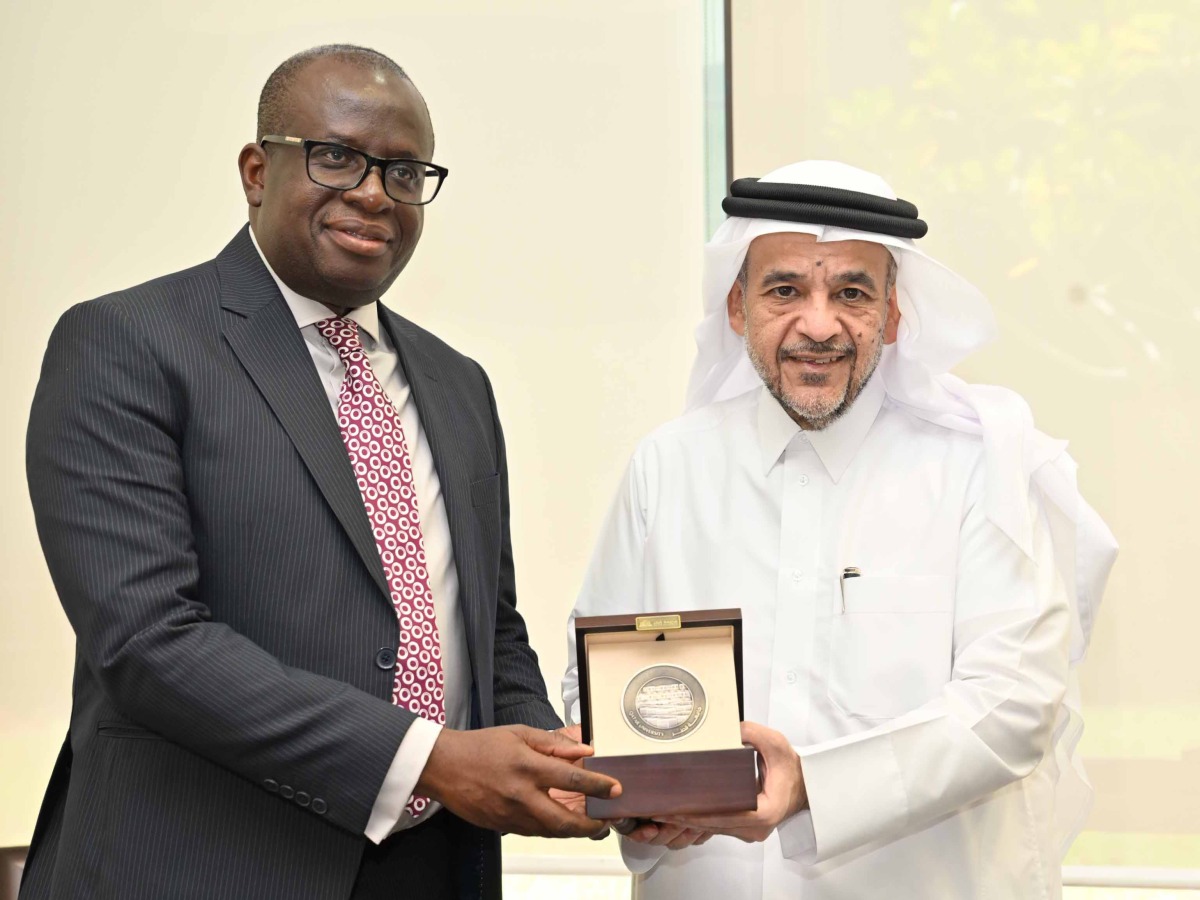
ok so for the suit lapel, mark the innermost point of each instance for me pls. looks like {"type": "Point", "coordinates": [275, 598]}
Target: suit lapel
{"type": "Point", "coordinates": [439, 413]}
{"type": "Point", "coordinates": [262, 333]}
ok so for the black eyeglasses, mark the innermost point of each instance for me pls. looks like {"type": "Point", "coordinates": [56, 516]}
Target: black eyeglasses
{"type": "Point", "coordinates": [343, 168]}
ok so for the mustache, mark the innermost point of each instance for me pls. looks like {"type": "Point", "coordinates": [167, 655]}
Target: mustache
{"type": "Point", "coordinates": [815, 348]}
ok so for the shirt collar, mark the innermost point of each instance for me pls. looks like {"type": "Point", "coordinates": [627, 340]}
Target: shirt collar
{"type": "Point", "coordinates": [310, 312]}
{"type": "Point", "coordinates": [835, 445]}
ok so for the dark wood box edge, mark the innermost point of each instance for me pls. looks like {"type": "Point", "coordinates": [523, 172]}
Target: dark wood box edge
{"type": "Point", "coordinates": [660, 784]}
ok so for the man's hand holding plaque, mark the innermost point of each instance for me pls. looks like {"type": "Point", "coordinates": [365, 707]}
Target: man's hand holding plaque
{"type": "Point", "coordinates": [643, 831]}
{"type": "Point", "coordinates": [782, 796]}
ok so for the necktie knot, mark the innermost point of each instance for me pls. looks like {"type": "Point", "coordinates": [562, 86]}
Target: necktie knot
{"type": "Point", "coordinates": [342, 334]}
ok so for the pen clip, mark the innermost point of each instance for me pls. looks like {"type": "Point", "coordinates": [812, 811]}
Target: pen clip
{"type": "Point", "coordinates": [848, 572]}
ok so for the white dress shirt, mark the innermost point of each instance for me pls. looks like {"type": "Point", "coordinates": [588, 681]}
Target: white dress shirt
{"type": "Point", "coordinates": [388, 814]}
{"type": "Point", "coordinates": [922, 710]}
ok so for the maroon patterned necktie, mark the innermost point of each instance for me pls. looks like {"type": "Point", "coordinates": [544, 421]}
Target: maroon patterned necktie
{"type": "Point", "coordinates": [374, 440]}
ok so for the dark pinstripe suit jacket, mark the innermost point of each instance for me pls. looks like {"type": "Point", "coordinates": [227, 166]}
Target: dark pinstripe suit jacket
{"type": "Point", "coordinates": [230, 727]}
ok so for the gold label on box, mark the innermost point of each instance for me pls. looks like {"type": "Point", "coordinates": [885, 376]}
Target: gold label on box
{"type": "Point", "coordinates": [664, 703]}
{"type": "Point", "coordinates": [657, 623]}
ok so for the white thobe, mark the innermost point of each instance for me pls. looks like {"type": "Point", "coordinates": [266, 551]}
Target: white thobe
{"type": "Point", "coordinates": [922, 710]}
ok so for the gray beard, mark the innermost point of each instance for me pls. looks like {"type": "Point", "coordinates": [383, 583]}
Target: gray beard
{"type": "Point", "coordinates": [812, 415]}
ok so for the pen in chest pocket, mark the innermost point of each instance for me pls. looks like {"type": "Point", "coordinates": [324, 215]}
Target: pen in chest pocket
{"type": "Point", "coordinates": [848, 572]}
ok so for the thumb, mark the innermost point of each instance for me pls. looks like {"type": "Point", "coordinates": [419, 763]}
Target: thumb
{"type": "Point", "coordinates": [555, 743]}
{"type": "Point", "coordinates": [754, 734]}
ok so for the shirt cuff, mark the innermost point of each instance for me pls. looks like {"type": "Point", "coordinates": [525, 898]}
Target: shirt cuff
{"type": "Point", "coordinates": [401, 778]}
{"type": "Point", "coordinates": [855, 795]}
{"type": "Point", "coordinates": [640, 858]}
{"type": "Point", "coordinates": [798, 838]}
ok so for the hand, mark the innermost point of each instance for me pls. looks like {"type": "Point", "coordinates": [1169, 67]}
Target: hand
{"type": "Point", "coordinates": [573, 800]}
{"type": "Point", "coordinates": [500, 778]}
{"type": "Point", "coordinates": [572, 732]}
{"type": "Point", "coordinates": [662, 834]}
{"type": "Point", "coordinates": [640, 830]}
{"type": "Point", "coordinates": [782, 795]}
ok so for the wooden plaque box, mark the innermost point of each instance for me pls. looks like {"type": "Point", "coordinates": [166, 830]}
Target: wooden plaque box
{"type": "Point", "coordinates": [674, 742]}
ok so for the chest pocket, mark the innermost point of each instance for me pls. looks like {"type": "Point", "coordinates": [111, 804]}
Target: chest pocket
{"type": "Point", "coordinates": [890, 651]}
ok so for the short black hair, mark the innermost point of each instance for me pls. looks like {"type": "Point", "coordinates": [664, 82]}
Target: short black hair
{"type": "Point", "coordinates": [273, 101]}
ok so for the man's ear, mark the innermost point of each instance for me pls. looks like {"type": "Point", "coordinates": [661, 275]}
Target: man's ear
{"type": "Point", "coordinates": [252, 166]}
{"type": "Point", "coordinates": [735, 304]}
{"type": "Point", "coordinates": [892, 325]}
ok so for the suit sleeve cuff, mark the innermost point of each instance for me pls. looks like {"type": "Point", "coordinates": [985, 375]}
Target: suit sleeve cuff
{"type": "Point", "coordinates": [401, 778]}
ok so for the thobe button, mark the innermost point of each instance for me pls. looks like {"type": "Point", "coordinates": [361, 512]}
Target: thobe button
{"type": "Point", "coordinates": [803, 480]}
{"type": "Point", "coordinates": [386, 658]}
{"type": "Point", "coordinates": [318, 806]}
{"type": "Point", "coordinates": [271, 785]}
{"type": "Point", "coordinates": [286, 791]}
{"type": "Point", "coordinates": [302, 799]}
{"type": "Point", "coordinates": [791, 677]}
{"type": "Point", "coordinates": [797, 575]}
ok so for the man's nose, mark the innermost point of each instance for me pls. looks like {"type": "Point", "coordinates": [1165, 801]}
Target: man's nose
{"type": "Point", "coordinates": [818, 320]}
{"type": "Point", "coordinates": [370, 195]}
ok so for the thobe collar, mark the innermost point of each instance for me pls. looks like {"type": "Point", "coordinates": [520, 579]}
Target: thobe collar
{"type": "Point", "coordinates": [835, 445]}
{"type": "Point", "coordinates": [309, 312]}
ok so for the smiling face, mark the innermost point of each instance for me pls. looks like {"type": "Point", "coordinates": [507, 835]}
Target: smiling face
{"type": "Point", "coordinates": [343, 248]}
{"type": "Point", "coordinates": [815, 317]}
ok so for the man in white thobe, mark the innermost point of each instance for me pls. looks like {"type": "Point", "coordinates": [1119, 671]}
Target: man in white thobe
{"type": "Point", "coordinates": [916, 570]}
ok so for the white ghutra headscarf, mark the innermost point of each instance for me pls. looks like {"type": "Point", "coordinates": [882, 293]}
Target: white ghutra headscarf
{"type": "Point", "coordinates": [943, 319]}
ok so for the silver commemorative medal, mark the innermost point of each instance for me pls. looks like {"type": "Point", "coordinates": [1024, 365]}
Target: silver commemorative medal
{"type": "Point", "coordinates": [664, 703]}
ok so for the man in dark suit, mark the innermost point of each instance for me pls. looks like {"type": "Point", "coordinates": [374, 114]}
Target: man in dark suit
{"type": "Point", "coordinates": [276, 514]}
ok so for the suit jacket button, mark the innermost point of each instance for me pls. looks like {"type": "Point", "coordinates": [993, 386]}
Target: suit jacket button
{"type": "Point", "coordinates": [271, 785]}
{"type": "Point", "coordinates": [318, 806]}
{"type": "Point", "coordinates": [386, 658]}
{"type": "Point", "coordinates": [302, 799]}
{"type": "Point", "coordinates": [286, 792]}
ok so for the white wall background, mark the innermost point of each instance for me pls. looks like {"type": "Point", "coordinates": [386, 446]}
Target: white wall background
{"type": "Point", "coordinates": [563, 252]}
